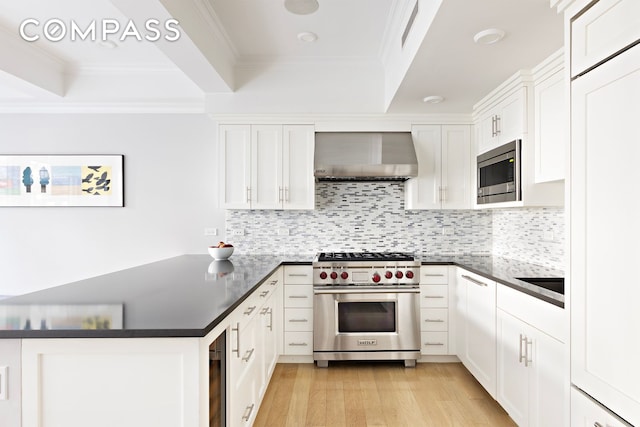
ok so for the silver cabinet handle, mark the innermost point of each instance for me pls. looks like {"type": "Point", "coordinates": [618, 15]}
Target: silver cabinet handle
{"type": "Point", "coordinates": [237, 350]}
{"type": "Point", "coordinates": [273, 282]}
{"type": "Point", "coordinates": [248, 194]}
{"type": "Point", "coordinates": [443, 198]}
{"type": "Point", "coordinates": [264, 311]}
{"type": "Point", "coordinates": [493, 126]}
{"type": "Point", "coordinates": [433, 275]}
{"type": "Point", "coordinates": [597, 424]}
{"type": "Point", "coordinates": [298, 296]}
{"type": "Point", "coordinates": [298, 275]}
{"type": "Point", "coordinates": [521, 356]}
{"type": "Point", "coordinates": [247, 412]}
{"type": "Point", "coordinates": [270, 319]}
{"type": "Point", "coordinates": [472, 280]}
{"type": "Point", "coordinates": [497, 125]}
{"type": "Point", "coordinates": [434, 296]}
{"type": "Point", "coordinates": [434, 343]}
{"type": "Point", "coordinates": [439, 194]}
{"type": "Point", "coordinates": [298, 344]}
{"type": "Point", "coordinates": [280, 194]}
{"type": "Point", "coordinates": [527, 357]}
{"type": "Point", "coordinates": [286, 194]}
{"type": "Point", "coordinates": [249, 310]}
{"type": "Point", "coordinates": [298, 320]}
{"type": "Point", "coordinates": [434, 320]}
{"type": "Point", "coordinates": [248, 355]}
{"type": "Point", "coordinates": [264, 293]}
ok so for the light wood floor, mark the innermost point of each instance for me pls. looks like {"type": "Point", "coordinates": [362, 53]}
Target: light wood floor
{"type": "Point", "coordinates": [377, 394]}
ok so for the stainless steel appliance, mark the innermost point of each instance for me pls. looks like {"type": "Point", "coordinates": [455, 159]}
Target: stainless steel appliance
{"type": "Point", "coordinates": [366, 307]}
{"type": "Point", "coordinates": [499, 174]}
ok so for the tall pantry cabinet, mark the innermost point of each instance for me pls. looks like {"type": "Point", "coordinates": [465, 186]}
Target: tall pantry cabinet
{"type": "Point", "coordinates": [604, 206]}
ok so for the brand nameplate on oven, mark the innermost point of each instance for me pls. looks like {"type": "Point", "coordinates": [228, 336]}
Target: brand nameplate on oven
{"type": "Point", "coordinates": [367, 342]}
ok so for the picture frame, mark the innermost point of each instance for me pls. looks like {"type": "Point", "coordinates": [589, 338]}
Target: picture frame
{"type": "Point", "coordinates": [62, 180]}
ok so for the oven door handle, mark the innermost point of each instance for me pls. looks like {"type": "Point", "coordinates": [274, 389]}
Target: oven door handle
{"type": "Point", "coordinates": [368, 291]}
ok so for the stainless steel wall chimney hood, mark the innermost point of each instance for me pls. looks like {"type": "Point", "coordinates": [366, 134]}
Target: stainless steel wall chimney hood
{"type": "Point", "coordinates": [364, 156]}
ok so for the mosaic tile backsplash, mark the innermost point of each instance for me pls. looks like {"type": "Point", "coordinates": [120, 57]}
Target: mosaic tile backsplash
{"type": "Point", "coordinates": [355, 216]}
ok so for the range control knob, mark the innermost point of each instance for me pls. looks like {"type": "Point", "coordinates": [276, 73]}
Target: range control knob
{"type": "Point", "coordinates": [376, 277]}
{"type": "Point", "coordinates": [388, 275]}
{"type": "Point", "coordinates": [409, 274]}
{"type": "Point", "coordinates": [344, 275]}
{"type": "Point", "coordinates": [323, 275]}
{"type": "Point", "coordinates": [399, 274]}
{"type": "Point", "coordinates": [334, 275]}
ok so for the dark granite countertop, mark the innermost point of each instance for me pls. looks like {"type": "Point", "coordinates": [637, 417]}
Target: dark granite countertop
{"type": "Point", "coordinates": [184, 296]}
{"type": "Point", "coordinates": [504, 271]}
{"type": "Point", "coordinates": [188, 295]}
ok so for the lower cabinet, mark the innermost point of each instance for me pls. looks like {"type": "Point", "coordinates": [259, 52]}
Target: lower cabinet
{"type": "Point", "coordinates": [530, 373]}
{"type": "Point", "coordinates": [10, 387]}
{"type": "Point", "coordinates": [435, 325]}
{"type": "Point", "coordinates": [585, 412]}
{"type": "Point", "coordinates": [298, 310]}
{"type": "Point", "coordinates": [476, 318]}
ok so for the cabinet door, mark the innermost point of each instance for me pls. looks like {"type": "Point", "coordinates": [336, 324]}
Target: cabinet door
{"type": "Point", "coordinates": [547, 377]}
{"type": "Point", "coordinates": [10, 387]}
{"type": "Point", "coordinates": [456, 164]}
{"type": "Point", "coordinates": [513, 375]}
{"type": "Point", "coordinates": [550, 128]}
{"type": "Point", "coordinates": [266, 178]}
{"type": "Point", "coordinates": [268, 346]}
{"type": "Point", "coordinates": [601, 31]}
{"type": "Point", "coordinates": [480, 329]}
{"type": "Point", "coordinates": [604, 214]}
{"type": "Point", "coordinates": [424, 191]}
{"type": "Point", "coordinates": [512, 121]}
{"type": "Point", "coordinates": [235, 166]}
{"type": "Point", "coordinates": [487, 136]}
{"type": "Point", "coordinates": [297, 180]}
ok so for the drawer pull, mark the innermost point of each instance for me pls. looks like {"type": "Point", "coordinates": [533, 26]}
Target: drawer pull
{"type": "Point", "coordinates": [434, 296]}
{"type": "Point", "coordinates": [433, 275]}
{"type": "Point", "coordinates": [472, 280]}
{"type": "Point", "coordinates": [298, 344]}
{"type": "Point", "coordinates": [249, 310]}
{"type": "Point", "coordinates": [237, 330]}
{"type": "Point", "coordinates": [273, 282]}
{"type": "Point", "coordinates": [264, 293]}
{"type": "Point", "coordinates": [597, 424]}
{"type": "Point", "coordinates": [434, 320]}
{"type": "Point", "coordinates": [298, 275]}
{"type": "Point", "coordinates": [298, 296]}
{"type": "Point", "coordinates": [434, 343]}
{"type": "Point", "coordinates": [248, 355]}
{"type": "Point", "coordinates": [247, 412]}
{"type": "Point", "coordinates": [298, 320]}
{"type": "Point", "coordinates": [264, 311]}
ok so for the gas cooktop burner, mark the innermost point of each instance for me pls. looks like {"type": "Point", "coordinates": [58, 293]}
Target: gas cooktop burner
{"type": "Point", "coordinates": [365, 256]}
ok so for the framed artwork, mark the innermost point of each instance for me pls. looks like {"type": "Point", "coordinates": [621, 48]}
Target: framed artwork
{"type": "Point", "coordinates": [62, 180]}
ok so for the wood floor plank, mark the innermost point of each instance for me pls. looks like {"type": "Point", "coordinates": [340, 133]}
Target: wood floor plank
{"type": "Point", "coordinates": [362, 394]}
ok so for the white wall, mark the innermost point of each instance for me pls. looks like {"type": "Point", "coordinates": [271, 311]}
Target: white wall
{"type": "Point", "coordinates": [170, 196]}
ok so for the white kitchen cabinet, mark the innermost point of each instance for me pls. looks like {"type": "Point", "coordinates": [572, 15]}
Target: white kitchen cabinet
{"type": "Point", "coordinates": [605, 107]}
{"type": "Point", "coordinates": [298, 310]}
{"type": "Point", "coordinates": [601, 31]}
{"type": "Point", "coordinates": [586, 412]}
{"type": "Point", "coordinates": [503, 117]}
{"type": "Point", "coordinates": [550, 121]}
{"type": "Point", "coordinates": [126, 382]}
{"type": "Point", "coordinates": [445, 164]}
{"type": "Point", "coordinates": [267, 166]}
{"type": "Point", "coordinates": [530, 373]}
{"type": "Point", "coordinates": [10, 387]}
{"type": "Point", "coordinates": [476, 310]}
{"type": "Point", "coordinates": [435, 325]}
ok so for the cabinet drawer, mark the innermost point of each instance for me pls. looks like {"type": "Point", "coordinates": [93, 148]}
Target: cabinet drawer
{"type": "Point", "coordinates": [298, 343]}
{"type": "Point", "coordinates": [298, 275]}
{"type": "Point", "coordinates": [434, 296]}
{"type": "Point", "coordinates": [246, 311]}
{"type": "Point", "coordinates": [434, 275]}
{"type": "Point", "coordinates": [298, 319]}
{"type": "Point", "coordinates": [298, 296]}
{"type": "Point", "coordinates": [604, 29]}
{"type": "Point", "coordinates": [244, 406]}
{"type": "Point", "coordinates": [243, 350]}
{"type": "Point", "coordinates": [434, 319]}
{"type": "Point", "coordinates": [434, 343]}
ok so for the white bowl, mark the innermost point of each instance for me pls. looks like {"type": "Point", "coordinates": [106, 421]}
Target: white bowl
{"type": "Point", "coordinates": [220, 253]}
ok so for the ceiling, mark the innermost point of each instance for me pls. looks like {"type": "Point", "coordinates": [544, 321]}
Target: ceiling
{"type": "Point", "coordinates": [244, 56]}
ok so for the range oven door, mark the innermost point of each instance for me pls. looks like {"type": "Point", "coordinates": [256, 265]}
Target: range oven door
{"type": "Point", "coordinates": [366, 320]}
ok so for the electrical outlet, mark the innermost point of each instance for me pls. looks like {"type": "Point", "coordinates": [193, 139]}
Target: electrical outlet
{"type": "Point", "coordinates": [548, 236]}
{"type": "Point", "coordinates": [283, 231]}
{"type": "Point", "coordinates": [447, 231]}
{"type": "Point", "coordinates": [239, 232]}
{"type": "Point", "coordinates": [210, 231]}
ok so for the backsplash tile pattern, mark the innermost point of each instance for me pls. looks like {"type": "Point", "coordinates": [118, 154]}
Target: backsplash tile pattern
{"type": "Point", "coordinates": [534, 235]}
{"type": "Point", "coordinates": [354, 216]}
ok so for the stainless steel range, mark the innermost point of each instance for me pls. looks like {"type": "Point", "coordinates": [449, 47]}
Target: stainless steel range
{"type": "Point", "coordinates": [366, 307]}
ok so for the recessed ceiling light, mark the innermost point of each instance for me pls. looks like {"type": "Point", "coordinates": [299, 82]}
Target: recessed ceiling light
{"type": "Point", "coordinates": [108, 44]}
{"type": "Point", "coordinates": [433, 99]}
{"type": "Point", "coordinates": [489, 36]}
{"type": "Point", "coordinates": [307, 37]}
{"type": "Point", "coordinates": [301, 7]}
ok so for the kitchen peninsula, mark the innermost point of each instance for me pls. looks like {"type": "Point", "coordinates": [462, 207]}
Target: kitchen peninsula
{"type": "Point", "coordinates": [152, 362]}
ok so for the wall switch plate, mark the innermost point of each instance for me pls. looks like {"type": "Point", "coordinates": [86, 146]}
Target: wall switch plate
{"type": "Point", "coordinates": [210, 231]}
{"type": "Point", "coordinates": [448, 231]}
{"type": "Point", "coordinates": [283, 231]}
{"type": "Point", "coordinates": [4, 382]}
{"type": "Point", "coordinates": [239, 232]}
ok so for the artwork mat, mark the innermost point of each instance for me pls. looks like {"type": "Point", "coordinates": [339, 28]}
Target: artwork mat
{"type": "Point", "coordinates": [53, 196]}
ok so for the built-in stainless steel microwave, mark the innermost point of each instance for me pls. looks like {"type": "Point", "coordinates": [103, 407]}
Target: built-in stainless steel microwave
{"type": "Point", "coordinates": [499, 174]}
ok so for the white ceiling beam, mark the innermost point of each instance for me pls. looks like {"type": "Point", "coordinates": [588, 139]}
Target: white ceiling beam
{"type": "Point", "coordinates": [201, 56]}
{"type": "Point", "coordinates": [28, 68]}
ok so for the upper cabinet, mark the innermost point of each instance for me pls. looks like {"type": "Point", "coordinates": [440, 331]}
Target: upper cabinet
{"type": "Point", "coordinates": [503, 119]}
{"type": "Point", "coordinates": [267, 166]}
{"type": "Point", "coordinates": [445, 164]}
